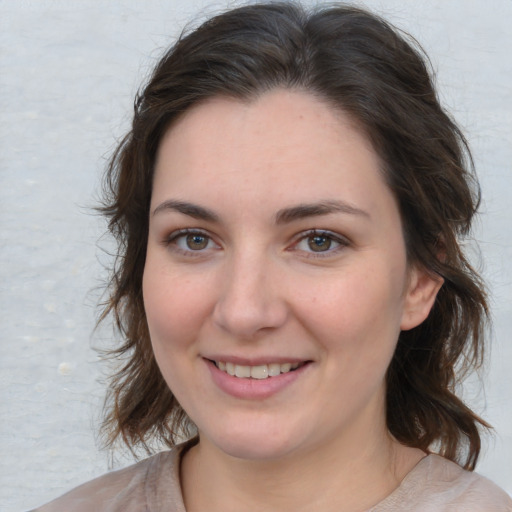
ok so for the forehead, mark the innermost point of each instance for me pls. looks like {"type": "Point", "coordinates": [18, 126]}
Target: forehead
{"type": "Point", "coordinates": [284, 145]}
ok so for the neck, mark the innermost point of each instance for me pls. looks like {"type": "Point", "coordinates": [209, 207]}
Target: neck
{"type": "Point", "coordinates": [337, 476]}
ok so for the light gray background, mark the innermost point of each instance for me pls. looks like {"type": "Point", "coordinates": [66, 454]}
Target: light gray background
{"type": "Point", "coordinates": [68, 74]}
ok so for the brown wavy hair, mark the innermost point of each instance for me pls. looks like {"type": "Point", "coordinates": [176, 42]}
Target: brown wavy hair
{"type": "Point", "coordinates": [380, 77]}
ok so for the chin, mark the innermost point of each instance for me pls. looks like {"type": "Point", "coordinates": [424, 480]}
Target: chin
{"type": "Point", "coordinates": [250, 444]}
{"type": "Point", "coordinates": [251, 449]}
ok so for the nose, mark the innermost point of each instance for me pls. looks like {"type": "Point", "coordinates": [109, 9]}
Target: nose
{"type": "Point", "coordinates": [251, 299]}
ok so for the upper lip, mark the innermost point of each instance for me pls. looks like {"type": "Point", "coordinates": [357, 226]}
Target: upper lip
{"type": "Point", "coordinates": [255, 361]}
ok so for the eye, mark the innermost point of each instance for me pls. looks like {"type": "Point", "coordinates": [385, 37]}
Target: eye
{"type": "Point", "coordinates": [188, 241]}
{"type": "Point", "coordinates": [320, 242]}
{"type": "Point", "coordinates": [193, 241]}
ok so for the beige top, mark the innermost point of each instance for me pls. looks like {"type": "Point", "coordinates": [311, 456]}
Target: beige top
{"type": "Point", "coordinates": [434, 485]}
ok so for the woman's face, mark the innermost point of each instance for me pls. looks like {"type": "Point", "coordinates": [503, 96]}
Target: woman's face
{"type": "Point", "coordinates": [276, 253]}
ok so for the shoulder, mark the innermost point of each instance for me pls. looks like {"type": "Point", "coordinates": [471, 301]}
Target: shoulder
{"type": "Point", "coordinates": [139, 487]}
{"type": "Point", "coordinates": [439, 485]}
{"type": "Point", "coordinates": [466, 488]}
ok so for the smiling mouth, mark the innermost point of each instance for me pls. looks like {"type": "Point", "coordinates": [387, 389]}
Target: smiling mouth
{"type": "Point", "coordinates": [260, 372]}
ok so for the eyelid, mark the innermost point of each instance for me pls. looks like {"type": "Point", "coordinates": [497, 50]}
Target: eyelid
{"type": "Point", "coordinates": [336, 237]}
{"type": "Point", "coordinates": [169, 240]}
{"type": "Point", "coordinates": [341, 241]}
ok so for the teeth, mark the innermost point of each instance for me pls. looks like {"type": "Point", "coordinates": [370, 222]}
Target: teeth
{"type": "Point", "coordinates": [242, 371]}
{"type": "Point", "coordinates": [230, 368]}
{"type": "Point", "coordinates": [274, 369]}
{"type": "Point", "coordinates": [259, 372]}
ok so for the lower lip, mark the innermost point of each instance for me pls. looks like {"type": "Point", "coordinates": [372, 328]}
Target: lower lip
{"type": "Point", "coordinates": [253, 389]}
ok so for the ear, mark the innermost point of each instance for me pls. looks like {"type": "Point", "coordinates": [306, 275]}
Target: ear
{"type": "Point", "coordinates": [419, 298]}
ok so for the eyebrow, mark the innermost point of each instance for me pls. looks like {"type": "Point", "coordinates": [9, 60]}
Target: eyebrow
{"type": "Point", "coordinates": [283, 216]}
{"type": "Point", "coordinates": [302, 211]}
{"type": "Point", "coordinates": [192, 210]}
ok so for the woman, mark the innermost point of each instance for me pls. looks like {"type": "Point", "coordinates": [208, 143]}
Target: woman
{"type": "Point", "coordinates": [294, 299]}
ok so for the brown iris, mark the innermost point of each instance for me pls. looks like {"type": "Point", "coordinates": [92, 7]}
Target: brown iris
{"type": "Point", "coordinates": [196, 242]}
{"type": "Point", "coordinates": [319, 243]}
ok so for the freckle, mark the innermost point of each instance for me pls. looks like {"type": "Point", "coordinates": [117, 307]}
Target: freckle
{"type": "Point", "coordinates": [65, 369]}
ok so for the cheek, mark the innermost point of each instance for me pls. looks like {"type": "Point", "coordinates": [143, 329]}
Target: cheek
{"type": "Point", "coordinates": [173, 306]}
{"type": "Point", "coordinates": [172, 309]}
{"type": "Point", "coordinates": [356, 321]}
{"type": "Point", "coordinates": [353, 305]}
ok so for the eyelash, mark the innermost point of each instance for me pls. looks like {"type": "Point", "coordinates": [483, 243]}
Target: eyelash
{"type": "Point", "coordinates": [328, 235]}
{"type": "Point", "coordinates": [342, 242]}
{"type": "Point", "coordinates": [175, 236]}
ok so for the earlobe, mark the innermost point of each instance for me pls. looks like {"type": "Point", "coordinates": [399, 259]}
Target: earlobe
{"type": "Point", "coordinates": [420, 297]}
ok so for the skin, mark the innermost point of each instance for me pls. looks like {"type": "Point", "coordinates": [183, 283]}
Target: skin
{"type": "Point", "coordinates": [248, 283]}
